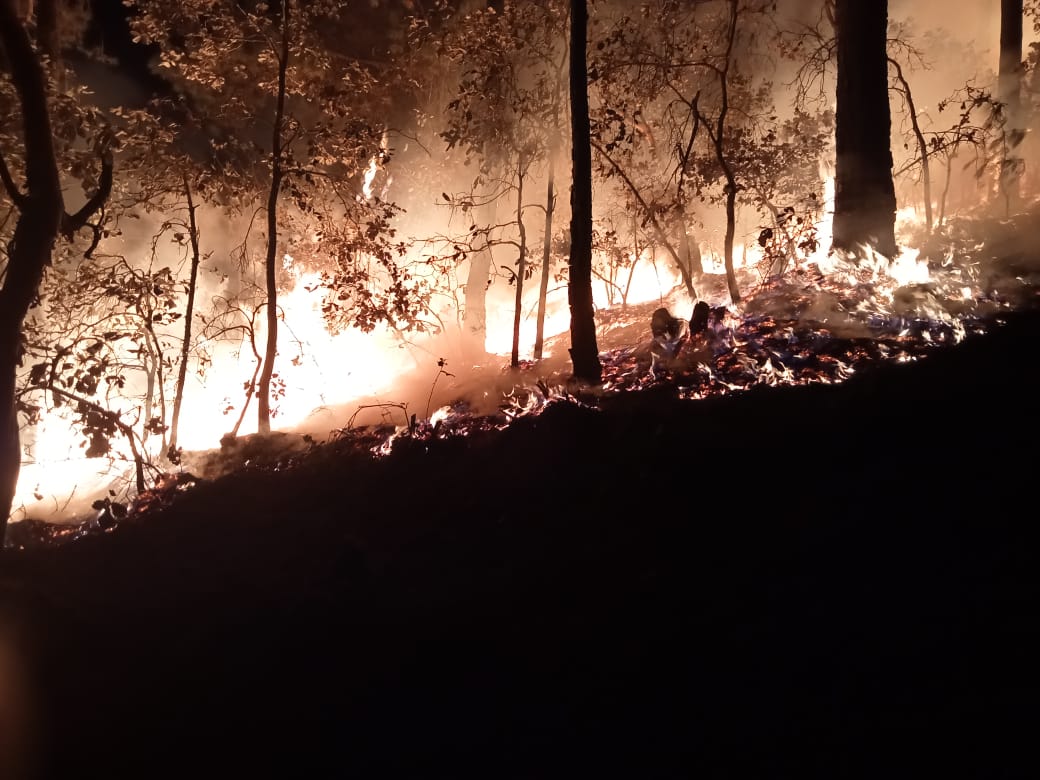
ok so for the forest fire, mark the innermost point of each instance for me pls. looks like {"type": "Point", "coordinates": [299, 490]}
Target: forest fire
{"type": "Point", "coordinates": [395, 388]}
{"type": "Point", "coordinates": [819, 322]}
{"type": "Point", "coordinates": [804, 328]}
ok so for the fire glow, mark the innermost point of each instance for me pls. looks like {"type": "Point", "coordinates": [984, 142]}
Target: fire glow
{"type": "Point", "coordinates": [821, 321]}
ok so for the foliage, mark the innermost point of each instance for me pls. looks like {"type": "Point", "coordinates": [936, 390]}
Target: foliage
{"type": "Point", "coordinates": [226, 55]}
{"type": "Point", "coordinates": [508, 104]}
{"type": "Point", "coordinates": [685, 114]}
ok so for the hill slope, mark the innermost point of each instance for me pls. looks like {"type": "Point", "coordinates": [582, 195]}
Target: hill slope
{"type": "Point", "coordinates": [821, 581]}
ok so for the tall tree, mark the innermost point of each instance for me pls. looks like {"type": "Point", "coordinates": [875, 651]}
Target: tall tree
{"type": "Point", "coordinates": [1009, 91]}
{"type": "Point", "coordinates": [41, 218]}
{"type": "Point", "coordinates": [263, 398]}
{"type": "Point", "coordinates": [584, 351]}
{"type": "Point", "coordinates": [864, 198]}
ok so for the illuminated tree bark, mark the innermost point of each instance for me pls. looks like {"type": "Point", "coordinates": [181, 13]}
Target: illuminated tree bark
{"type": "Point", "coordinates": [584, 351]}
{"type": "Point", "coordinates": [864, 198]}
{"type": "Point", "coordinates": [41, 217]}
{"type": "Point", "coordinates": [1009, 89]}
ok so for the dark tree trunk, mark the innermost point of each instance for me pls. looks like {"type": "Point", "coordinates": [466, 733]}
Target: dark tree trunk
{"type": "Point", "coordinates": [864, 198]}
{"type": "Point", "coordinates": [1010, 94]}
{"type": "Point", "coordinates": [189, 311]}
{"type": "Point", "coordinates": [727, 168]}
{"type": "Point", "coordinates": [584, 351]}
{"type": "Point", "coordinates": [543, 282]}
{"type": "Point", "coordinates": [41, 212]}
{"type": "Point", "coordinates": [521, 269]}
{"type": "Point", "coordinates": [263, 399]}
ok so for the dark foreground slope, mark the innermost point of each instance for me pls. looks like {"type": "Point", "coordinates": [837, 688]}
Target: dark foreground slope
{"type": "Point", "coordinates": [826, 581]}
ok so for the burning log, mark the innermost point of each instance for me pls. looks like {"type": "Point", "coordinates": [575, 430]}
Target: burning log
{"type": "Point", "coordinates": [668, 332]}
{"type": "Point", "coordinates": [699, 320]}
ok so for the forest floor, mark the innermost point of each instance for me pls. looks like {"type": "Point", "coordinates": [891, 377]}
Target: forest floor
{"type": "Point", "coordinates": [818, 581]}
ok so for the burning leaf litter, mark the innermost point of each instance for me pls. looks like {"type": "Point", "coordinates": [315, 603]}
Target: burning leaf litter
{"type": "Point", "coordinates": [820, 323]}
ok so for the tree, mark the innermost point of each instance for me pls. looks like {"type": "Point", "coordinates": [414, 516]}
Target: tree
{"type": "Point", "coordinates": [270, 262]}
{"type": "Point", "coordinates": [97, 342]}
{"type": "Point", "coordinates": [645, 124]}
{"type": "Point", "coordinates": [162, 178]}
{"type": "Point", "coordinates": [673, 127]}
{"type": "Point", "coordinates": [278, 66]}
{"type": "Point", "coordinates": [1009, 91]}
{"type": "Point", "coordinates": [864, 197]}
{"type": "Point", "coordinates": [902, 88]}
{"type": "Point", "coordinates": [41, 219]}
{"type": "Point", "coordinates": [717, 134]}
{"type": "Point", "coordinates": [505, 116]}
{"type": "Point", "coordinates": [584, 351]}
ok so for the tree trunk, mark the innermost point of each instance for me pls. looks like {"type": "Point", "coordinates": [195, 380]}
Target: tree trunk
{"type": "Point", "coordinates": [543, 283]}
{"type": "Point", "coordinates": [864, 198]}
{"type": "Point", "coordinates": [41, 211]}
{"type": "Point", "coordinates": [689, 251]}
{"type": "Point", "coordinates": [729, 240]}
{"type": "Point", "coordinates": [727, 168]}
{"type": "Point", "coordinates": [521, 269]}
{"type": "Point", "coordinates": [263, 400]}
{"type": "Point", "coordinates": [946, 188]}
{"type": "Point", "coordinates": [189, 311]}
{"type": "Point", "coordinates": [584, 351]}
{"type": "Point", "coordinates": [1009, 88]}
{"type": "Point", "coordinates": [156, 376]}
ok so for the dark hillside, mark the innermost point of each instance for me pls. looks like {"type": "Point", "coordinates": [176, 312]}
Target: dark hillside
{"type": "Point", "coordinates": [827, 581]}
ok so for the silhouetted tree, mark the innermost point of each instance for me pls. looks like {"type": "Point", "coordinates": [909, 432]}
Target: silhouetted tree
{"type": "Point", "coordinates": [584, 351]}
{"type": "Point", "coordinates": [864, 198]}
{"type": "Point", "coordinates": [1009, 91]}
{"type": "Point", "coordinates": [41, 218]}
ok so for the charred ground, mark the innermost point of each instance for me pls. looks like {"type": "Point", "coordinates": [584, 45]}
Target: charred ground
{"type": "Point", "coordinates": [813, 581]}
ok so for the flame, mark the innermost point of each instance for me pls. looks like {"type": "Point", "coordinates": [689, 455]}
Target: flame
{"type": "Point", "coordinates": [440, 415]}
{"type": "Point", "coordinates": [317, 369]}
{"type": "Point", "coordinates": [370, 176]}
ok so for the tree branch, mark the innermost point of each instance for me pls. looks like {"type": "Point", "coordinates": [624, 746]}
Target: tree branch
{"type": "Point", "coordinates": [9, 184]}
{"type": "Point", "coordinates": [70, 223]}
{"type": "Point", "coordinates": [114, 417]}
